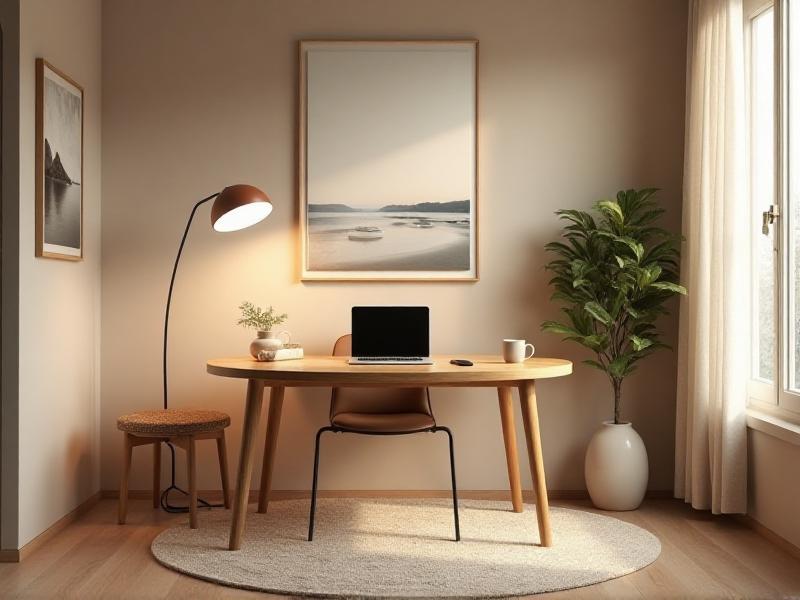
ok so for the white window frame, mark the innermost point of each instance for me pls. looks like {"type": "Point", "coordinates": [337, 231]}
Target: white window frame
{"type": "Point", "coordinates": [788, 402]}
{"type": "Point", "coordinates": [761, 393]}
{"type": "Point", "coordinates": [774, 398]}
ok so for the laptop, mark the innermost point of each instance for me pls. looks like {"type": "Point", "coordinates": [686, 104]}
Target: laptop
{"type": "Point", "coordinates": [390, 335]}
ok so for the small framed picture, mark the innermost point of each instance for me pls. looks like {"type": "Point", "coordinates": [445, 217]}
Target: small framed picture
{"type": "Point", "coordinates": [59, 164]}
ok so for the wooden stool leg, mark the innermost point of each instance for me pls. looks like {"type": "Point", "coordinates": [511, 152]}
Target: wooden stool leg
{"type": "Point", "coordinates": [156, 474]}
{"type": "Point", "coordinates": [127, 453]}
{"type": "Point", "coordinates": [191, 464]}
{"type": "Point", "coordinates": [222, 452]}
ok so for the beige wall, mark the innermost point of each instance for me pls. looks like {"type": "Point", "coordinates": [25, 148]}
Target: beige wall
{"type": "Point", "coordinates": [774, 485]}
{"type": "Point", "coordinates": [60, 301]}
{"type": "Point", "coordinates": [577, 99]}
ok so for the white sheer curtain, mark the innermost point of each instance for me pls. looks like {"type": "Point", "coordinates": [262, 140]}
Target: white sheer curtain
{"type": "Point", "coordinates": [711, 434]}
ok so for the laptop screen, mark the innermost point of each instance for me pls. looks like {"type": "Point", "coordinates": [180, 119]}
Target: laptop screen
{"type": "Point", "coordinates": [390, 331]}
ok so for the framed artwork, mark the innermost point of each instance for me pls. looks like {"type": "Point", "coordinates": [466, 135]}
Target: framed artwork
{"type": "Point", "coordinates": [388, 160]}
{"type": "Point", "coordinates": [59, 164]}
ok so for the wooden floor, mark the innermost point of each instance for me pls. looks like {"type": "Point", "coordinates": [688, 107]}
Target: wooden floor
{"type": "Point", "coordinates": [702, 557]}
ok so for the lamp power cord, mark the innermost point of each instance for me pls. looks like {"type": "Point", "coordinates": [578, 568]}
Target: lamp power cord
{"type": "Point", "coordinates": [171, 508]}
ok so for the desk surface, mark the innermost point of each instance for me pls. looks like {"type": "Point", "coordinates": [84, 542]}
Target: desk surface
{"type": "Point", "coordinates": [334, 370]}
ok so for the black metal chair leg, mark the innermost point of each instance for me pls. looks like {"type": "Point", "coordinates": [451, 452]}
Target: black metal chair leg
{"type": "Point", "coordinates": [452, 478]}
{"type": "Point", "coordinates": [316, 473]}
{"type": "Point", "coordinates": [314, 484]}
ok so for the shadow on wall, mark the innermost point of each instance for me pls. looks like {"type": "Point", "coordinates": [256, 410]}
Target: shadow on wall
{"type": "Point", "coordinates": [78, 465]}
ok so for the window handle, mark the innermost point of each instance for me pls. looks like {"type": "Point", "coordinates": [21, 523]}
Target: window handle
{"type": "Point", "coordinates": [768, 218]}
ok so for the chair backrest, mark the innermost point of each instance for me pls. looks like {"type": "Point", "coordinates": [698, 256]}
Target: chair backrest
{"type": "Point", "coordinates": [375, 400]}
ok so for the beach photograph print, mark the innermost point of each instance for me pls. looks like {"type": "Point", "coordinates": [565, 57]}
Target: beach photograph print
{"type": "Point", "coordinates": [387, 180]}
{"type": "Point", "coordinates": [59, 192]}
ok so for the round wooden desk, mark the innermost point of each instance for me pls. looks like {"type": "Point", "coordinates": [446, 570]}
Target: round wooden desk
{"type": "Point", "coordinates": [330, 371]}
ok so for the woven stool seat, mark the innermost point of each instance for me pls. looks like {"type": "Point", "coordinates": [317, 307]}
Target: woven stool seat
{"type": "Point", "coordinates": [173, 421]}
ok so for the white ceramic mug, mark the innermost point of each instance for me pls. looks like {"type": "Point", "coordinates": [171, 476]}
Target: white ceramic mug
{"type": "Point", "coordinates": [516, 351]}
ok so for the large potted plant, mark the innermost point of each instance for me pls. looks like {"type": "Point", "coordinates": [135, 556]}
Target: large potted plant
{"type": "Point", "coordinates": [614, 275]}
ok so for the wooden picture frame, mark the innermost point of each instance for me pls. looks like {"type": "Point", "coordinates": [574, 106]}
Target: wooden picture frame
{"type": "Point", "coordinates": [392, 125]}
{"type": "Point", "coordinates": [59, 164]}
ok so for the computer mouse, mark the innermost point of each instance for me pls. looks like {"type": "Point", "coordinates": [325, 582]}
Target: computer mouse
{"type": "Point", "coordinates": [461, 362]}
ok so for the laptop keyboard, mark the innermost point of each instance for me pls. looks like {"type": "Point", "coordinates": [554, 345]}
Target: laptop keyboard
{"type": "Point", "coordinates": [379, 358]}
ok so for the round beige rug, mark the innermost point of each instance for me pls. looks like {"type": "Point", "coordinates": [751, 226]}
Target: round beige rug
{"type": "Point", "coordinates": [404, 548]}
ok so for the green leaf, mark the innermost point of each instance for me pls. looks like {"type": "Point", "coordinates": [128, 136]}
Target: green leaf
{"type": "Point", "coordinates": [579, 319]}
{"type": "Point", "coordinates": [597, 342]}
{"type": "Point", "coordinates": [636, 247]}
{"type": "Point", "coordinates": [612, 210]}
{"type": "Point", "coordinates": [556, 327]}
{"type": "Point", "coordinates": [616, 305]}
{"type": "Point", "coordinates": [598, 312]}
{"type": "Point", "coordinates": [561, 296]}
{"type": "Point", "coordinates": [640, 343]}
{"type": "Point", "coordinates": [628, 370]}
{"type": "Point", "coordinates": [648, 217]}
{"type": "Point", "coordinates": [632, 312]}
{"type": "Point", "coordinates": [616, 368]}
{"type": "Point", "coordinates": [668, 286]}
{"type": "Point", "coordinates": [560, 248]}
{"type": "Point", "coordinates": [648, 275]}
{"type": "Point", "coordinates": [581, 219]}
{"type": "Point", "coordinates": [595, 364]}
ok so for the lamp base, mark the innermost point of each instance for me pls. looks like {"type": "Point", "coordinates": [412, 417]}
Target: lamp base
{"type": "Point", "coordinates": [171, 508]}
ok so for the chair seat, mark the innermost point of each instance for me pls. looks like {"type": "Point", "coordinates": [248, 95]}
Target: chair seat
{"type": "Point", "coordinates": [173, 421]}
{"type": "Point", "coordinates": [383, 423]}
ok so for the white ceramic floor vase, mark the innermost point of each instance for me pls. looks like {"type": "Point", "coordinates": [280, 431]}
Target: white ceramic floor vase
{"type": "Point", "coordinates": [616, 467]}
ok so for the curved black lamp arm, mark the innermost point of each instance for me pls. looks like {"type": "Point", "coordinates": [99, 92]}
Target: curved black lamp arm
{"type": "Point", "coordinates": [165, 495]}
{"type": "Point", "coordinates": [171, 284]}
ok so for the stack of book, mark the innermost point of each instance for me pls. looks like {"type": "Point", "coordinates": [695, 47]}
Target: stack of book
{"type": "Point", "coordinates": [288, 352]}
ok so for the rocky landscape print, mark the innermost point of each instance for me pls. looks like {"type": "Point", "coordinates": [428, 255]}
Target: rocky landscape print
{"type": "Point", "coordinates": [63, 155]}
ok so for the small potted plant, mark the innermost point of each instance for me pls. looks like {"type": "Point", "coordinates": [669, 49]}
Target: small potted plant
{"type": "Point", "coordinates": [614, 276]}
{"type": "Point", "coordinates": [263, 321]}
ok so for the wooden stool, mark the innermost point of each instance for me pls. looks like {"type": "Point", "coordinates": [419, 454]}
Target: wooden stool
{"type": "Point", "coordinates": [181, 427]}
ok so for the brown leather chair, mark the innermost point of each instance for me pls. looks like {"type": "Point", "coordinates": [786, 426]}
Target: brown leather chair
{"type": "Point", "coordinates": [390, 411]}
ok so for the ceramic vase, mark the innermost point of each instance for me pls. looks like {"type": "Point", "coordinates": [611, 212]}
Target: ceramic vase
{"type": "Point", "coordinates": [616, 467]}
{"type": "Point", "coordinates": [266, 340]}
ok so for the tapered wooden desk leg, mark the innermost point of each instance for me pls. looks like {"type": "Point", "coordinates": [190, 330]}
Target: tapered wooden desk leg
{"type": "Point", "coordinates": [255, 394]}
{"type": "Point", "coordinates": [510, 440]}
{"type": "Point", "coordinates": [533, 438]}
{"type": "Point", "coordinates": [273, 426]}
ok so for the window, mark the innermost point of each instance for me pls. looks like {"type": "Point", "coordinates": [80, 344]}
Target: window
{"type": "Point", "coordinates": [762, 189]}
{"type": "Point", "coordinates": [774, 159]}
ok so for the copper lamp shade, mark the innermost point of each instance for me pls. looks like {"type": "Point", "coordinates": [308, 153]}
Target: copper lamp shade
{"type": "Point", "coordinates": [239, 206]}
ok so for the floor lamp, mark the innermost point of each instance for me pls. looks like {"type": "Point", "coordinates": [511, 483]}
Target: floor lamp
{"type": "Point", "coordinates": [236, 207]}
